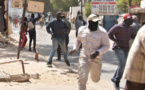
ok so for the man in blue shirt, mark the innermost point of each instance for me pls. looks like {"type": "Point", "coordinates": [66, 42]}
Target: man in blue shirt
{"type": "Point", "coordinates": [57, 29]}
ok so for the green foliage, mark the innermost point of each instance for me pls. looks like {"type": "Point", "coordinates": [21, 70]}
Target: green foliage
{"type": "Point", "coordinates": [88, 9]}
{"type": "Point", "coordinates": [123, 5]}
{"type": "Point", "coordinates": [63, 5]}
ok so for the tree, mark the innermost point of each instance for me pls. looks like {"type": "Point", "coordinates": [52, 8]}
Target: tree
{"type": "Point", "coordinates": [123, 5]}
{"type": "Point", "coordinates": [63, 5]}
{"type": "Point", "coordinates": [87, 9]}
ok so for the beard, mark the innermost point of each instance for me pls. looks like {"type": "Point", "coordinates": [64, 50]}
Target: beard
{"type": "Point", "coordinates": [93, 26]}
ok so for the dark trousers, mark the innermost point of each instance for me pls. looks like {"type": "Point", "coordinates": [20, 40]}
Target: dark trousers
{"type": "Point", "coordinates": [32, 36]}
{"type": "Point", "coordinates": [59, 49]}
{"type": "Point", "coordinates": [134, 86]}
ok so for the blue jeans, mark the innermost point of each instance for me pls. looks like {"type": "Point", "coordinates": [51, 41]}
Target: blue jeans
{"type": "Point", "coordinates": [122, 56]}
{"type": "Point", "coordinates": [55, 43]}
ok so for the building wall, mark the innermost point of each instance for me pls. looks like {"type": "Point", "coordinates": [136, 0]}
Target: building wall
{"type": "Point", "coordinates": [142, 4]}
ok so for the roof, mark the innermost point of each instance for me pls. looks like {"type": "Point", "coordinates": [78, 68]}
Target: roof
{"type": "Point", "coordinates": [137, 10]}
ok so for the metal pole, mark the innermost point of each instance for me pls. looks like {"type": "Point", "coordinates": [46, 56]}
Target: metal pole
{"type": "Point", "coordinates": [129, 5]}
{"type": "Point", "coordinates": [22, 27]}
{"type": "Point", "coordinates": [22, 63]}
{"type": "Point", "coordinates": [7, 17]}
{"type": "Point", "coordinates": [81, 7]}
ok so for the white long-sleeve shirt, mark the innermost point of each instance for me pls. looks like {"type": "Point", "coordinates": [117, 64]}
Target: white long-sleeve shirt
{"type": "Point", "coordinates": [92, 41]}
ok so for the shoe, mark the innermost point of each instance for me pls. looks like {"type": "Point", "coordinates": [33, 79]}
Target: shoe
{"type": "Point", "coordinates": [49, 65]}
{"type": "Point", "coordinates": [67, 62]}
{"type": "Point", "coordinates": [116, 85]}
{"type": "Point", "coordinates": [112, 79]}
{"type": "Point", "coordinates": [29, 49]}
{"type": "Point", "coordinates": [58, 59]}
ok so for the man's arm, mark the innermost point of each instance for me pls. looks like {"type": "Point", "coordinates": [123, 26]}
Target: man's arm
{"type": "Point", "coordinates": [105, 44]}
{"type": "Point", "coordinates": [66, 28]}
{"type": "Point", "coordinates": [112, 32]}
{"type": "Point", "coordinates": [49, 25]}
{"type": "Point", "coordinates": [69, 26]}
{"type": "Point", "coordinates": [133, 34]}
{"type": "Point", "coordinates": [38, 17]}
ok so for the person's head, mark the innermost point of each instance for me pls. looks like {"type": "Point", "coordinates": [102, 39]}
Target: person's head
{"type": "Point", "coordinates": [58, 15]}
{"type": "Point", "coordinates": [134, 18]}
{"type": "Point", "coordinates": [80, 17]}
{"type": "Point", "coordinates": [128, 20]}
{"type": "Point", "coordinates": [32, 15]}
{"type": "Point", "coordinates": [25, 19]}
{"type": "Point", "coordinates": [78, 12]}
{"type": "Point", "coordinates": [93, 22]}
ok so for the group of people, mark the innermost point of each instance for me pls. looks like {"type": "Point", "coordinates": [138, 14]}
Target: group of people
{"type": "Point", "coordinates": [32, 32]}
{"type": "Point", "coordinates": [95, 42]}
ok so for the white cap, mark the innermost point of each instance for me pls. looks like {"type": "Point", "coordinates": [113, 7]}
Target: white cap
{"type": "Point", "coordinates": [93, 18]}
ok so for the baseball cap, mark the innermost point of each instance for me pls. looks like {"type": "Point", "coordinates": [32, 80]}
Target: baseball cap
{"type": "Point", "coordinates": [93, 18]}
{"type": "Point", "coordinates": [127, 16]}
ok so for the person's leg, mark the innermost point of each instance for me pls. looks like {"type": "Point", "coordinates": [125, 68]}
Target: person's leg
{"type": "Point", "coordinates": [134, 86]}
{"type": "Point", "coordinates": [95, 69]}
{"type": "Point", "coordinates": [34, 42]}
{"type": "Point", "coordinates": [119, 72]}
{"type": "Point", "coordinates": [30, 41]}
{"type": "Point", "coordinates": [121, 55]}
{"type": "Point", "coordinates": [67, 41]}
{"type": "Point", "coordinates": [59, 53]}
{"type": "Point", "coordinates": [62, 44]}
{"type": "Point", "coordinates": [25, 39]}
{"type": "Point", "coordinates": [22, 41]}
{"type": "Point", "coordinates": [54, 48]}
{"type": "Point", "coordinates": [83, 71]}
{"type": "Point", "coordinates": [76, 33]}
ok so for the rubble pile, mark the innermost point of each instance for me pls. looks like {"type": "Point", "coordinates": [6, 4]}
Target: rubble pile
{"type": "Point", "coordinates": [4, 41]}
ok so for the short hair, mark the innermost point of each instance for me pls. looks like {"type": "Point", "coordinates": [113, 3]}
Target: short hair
{"type": "Point", "coordinates": [58, 13]}
{"type": "Point", "coordinates": [25, 19]}
{"type": "Point", "coordinates": [134, 17]}
{"type": "Point", "coordinates": [32, 15]}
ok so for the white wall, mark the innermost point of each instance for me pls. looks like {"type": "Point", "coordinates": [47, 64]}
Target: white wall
{"type": "Point", "coordinates": [142, 4]}
{"type": "Point", "coordinates": [74, 11]}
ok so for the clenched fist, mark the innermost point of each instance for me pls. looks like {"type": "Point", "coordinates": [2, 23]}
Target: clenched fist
{"type": "Point", "coordinates": [94, 55]}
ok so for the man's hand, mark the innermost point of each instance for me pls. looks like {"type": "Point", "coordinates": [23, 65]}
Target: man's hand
{"type": "Point", "coordinates": [119, 43]}
{"type": "Point", "coordinates": [94, 55]}
{"type": "Point", "coordinates": [72, 52]}
{"type": "Point", "coordinates": [52, 34]}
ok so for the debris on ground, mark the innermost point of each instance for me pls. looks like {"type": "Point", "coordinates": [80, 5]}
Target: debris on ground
{"type": "Point", "coordinates": [15, 78]}
{"type": "Point", "coordinates": [4, 41]}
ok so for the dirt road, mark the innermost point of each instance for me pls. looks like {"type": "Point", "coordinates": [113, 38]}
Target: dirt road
{"type": "Point", "coordinates": [56, 78]}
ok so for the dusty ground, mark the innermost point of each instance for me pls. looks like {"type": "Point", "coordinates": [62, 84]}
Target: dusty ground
{"type": "Point", "coordinates": [56, 78]}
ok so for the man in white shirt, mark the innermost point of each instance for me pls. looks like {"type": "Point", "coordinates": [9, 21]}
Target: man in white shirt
{"type": "Point", "coordinates": [95, 42]}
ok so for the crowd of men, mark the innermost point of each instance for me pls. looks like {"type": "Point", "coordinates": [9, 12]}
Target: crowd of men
{"type": "Point", "coordinates": [93, 39]}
